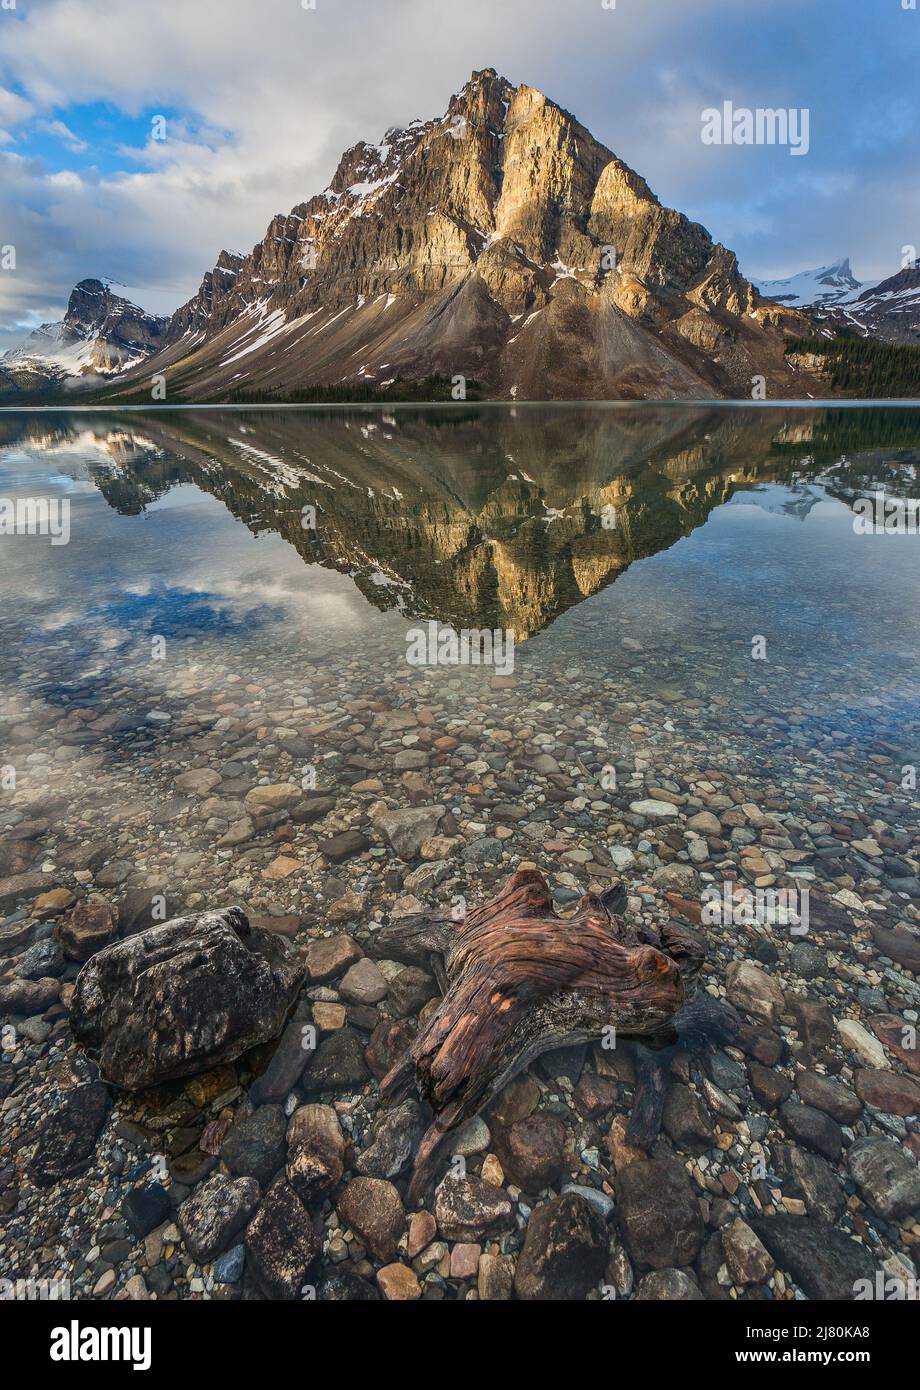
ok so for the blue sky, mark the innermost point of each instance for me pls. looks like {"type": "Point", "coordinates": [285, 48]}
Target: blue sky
{"type": "Point", "coordinates": [89, 135]}
{"type": "Point", "coordinates": [260, 99]}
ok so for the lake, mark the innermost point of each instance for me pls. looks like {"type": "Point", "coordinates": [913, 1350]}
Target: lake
{"type": "Point", "coordinates": [697, 667]}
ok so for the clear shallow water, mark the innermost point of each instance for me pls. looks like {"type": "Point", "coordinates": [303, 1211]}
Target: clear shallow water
{"type": "Point", "coordinates": [189, 576]}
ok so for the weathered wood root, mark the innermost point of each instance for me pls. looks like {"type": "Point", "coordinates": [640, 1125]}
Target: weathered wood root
{"type": "Point", "coordinates": [701, 1024]}
{"type": "Point", "coordinates": [521, 981]}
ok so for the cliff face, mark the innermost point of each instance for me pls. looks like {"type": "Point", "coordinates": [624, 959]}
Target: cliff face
{"type": "Point", "coordinates": [499, 242]}
{"type": "Point", "coordinates": [114, 330]}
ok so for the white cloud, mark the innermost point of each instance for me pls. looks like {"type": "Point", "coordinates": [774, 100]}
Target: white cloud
{"type": "Point", "coordinates": [13, 109]}
{"type": "Point", "coordinates": [62, 132]}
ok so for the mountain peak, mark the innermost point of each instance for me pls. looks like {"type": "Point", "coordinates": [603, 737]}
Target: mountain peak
{"type": "Point", "coordinates": [828, 285]}
{"type": "Point", "coordinates": [485, 78]}
{"type": "Point", "coordinates": [500, 241]}
{"type": "Point", "coordinates": [100, 334]}
{"type": "Point", "coordinates": [88, 305]}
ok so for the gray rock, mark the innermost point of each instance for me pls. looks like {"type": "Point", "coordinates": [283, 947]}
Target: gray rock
{"type": "Point", "coordinates": [823, 1261]}
{"type": "Point", "coordinates": [284, 1070]}
{"type": "Point", "coordinates": [811, 1179]}
{"type": "Point", "coordinates": [887, 1177]}
{"type": "Point", "coordinates": [410, 990]}
{"type": "Point", "coordinates": [686, 1120]}
{"type": "Point", "coordinates": [410, 759]}
{"type": "Point", "coordinates": [486, 850]}
{"type": "Point", "coordinates": [255, 1144]}
{"type": "Point", "coordinates": [43, 960]}
{"type": "Point", "coordinates": [407, 830]}
{"type": "Point", "coordinates": [215, 1212]}
{"type": "Point", "coordinates": [678, 878]}
{"type": "Point", "coordinates": [228, 1268]}
{"type": "Point", "coordinates": [807, 961]}
{"type": "Point", "coordinates": [337, 1064]}
{"type": "Point", "coordinates": [363, 983]}
{"type": "Point", "coordinates": [654, 810]}
{"type": "Point", "coordinates": [68, 1137]}
{"type": "Point", "coordinates": [392, 1141]}
{"type": "Point", "coordinates": [812, 1128]}
{"type": "Point", "coordinates": [595, 1198]}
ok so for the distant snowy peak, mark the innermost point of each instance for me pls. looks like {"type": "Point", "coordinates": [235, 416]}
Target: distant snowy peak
{"type": "Point", "coordinates": [101, 333]}
{"type": "Point", "coordinates": [830, 284]}
{"type": "Point", "coordinates": [888, 309]}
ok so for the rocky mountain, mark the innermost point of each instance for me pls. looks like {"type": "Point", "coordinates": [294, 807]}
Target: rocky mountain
{"type": "Point", "coordinates": [499, 242]}
{"type": "Point", "coordinates": [101, 335]}
{"type": "Point", "coordinates": [888, 310]}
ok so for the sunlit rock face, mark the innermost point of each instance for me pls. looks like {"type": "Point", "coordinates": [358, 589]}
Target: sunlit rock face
{"type": "Point", "coordinates": [501, 242]}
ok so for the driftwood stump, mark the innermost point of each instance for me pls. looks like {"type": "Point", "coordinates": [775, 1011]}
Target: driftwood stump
{"type": "Point", "coordinates": [519, 980]}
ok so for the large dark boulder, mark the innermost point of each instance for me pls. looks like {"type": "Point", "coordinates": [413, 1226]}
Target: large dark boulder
{"type": "Point", "coordinates": [215, 1212]}
{"type": "Point", "coordinates": [810, 1178]}
{"type": "Point", "coordinates": [886, 1175]}
{"type": "Point", "coordinates": [183, 997]}
{"type": "Point", "coordinates": [256, 1144]}
{"type": "Point", "coordinates": [282, 1245]}
{"type": "Point", "coordinates": [659, 1214]}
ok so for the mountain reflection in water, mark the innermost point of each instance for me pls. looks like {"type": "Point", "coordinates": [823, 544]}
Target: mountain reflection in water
{"type": "Point", "coordinates": [480, 517]}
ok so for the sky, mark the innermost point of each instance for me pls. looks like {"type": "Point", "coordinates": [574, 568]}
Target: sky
{"type": "Point", "coordinates": [258, 99]}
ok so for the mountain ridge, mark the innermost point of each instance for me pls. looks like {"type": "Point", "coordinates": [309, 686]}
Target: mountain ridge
{"type": "Point", "coordinates": [888, 309]}
{"type": "Point", "coordinates": [499, 242]}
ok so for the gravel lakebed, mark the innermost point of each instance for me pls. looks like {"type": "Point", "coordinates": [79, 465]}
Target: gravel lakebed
{"type": "Point", "coordinates": [329, 798]}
